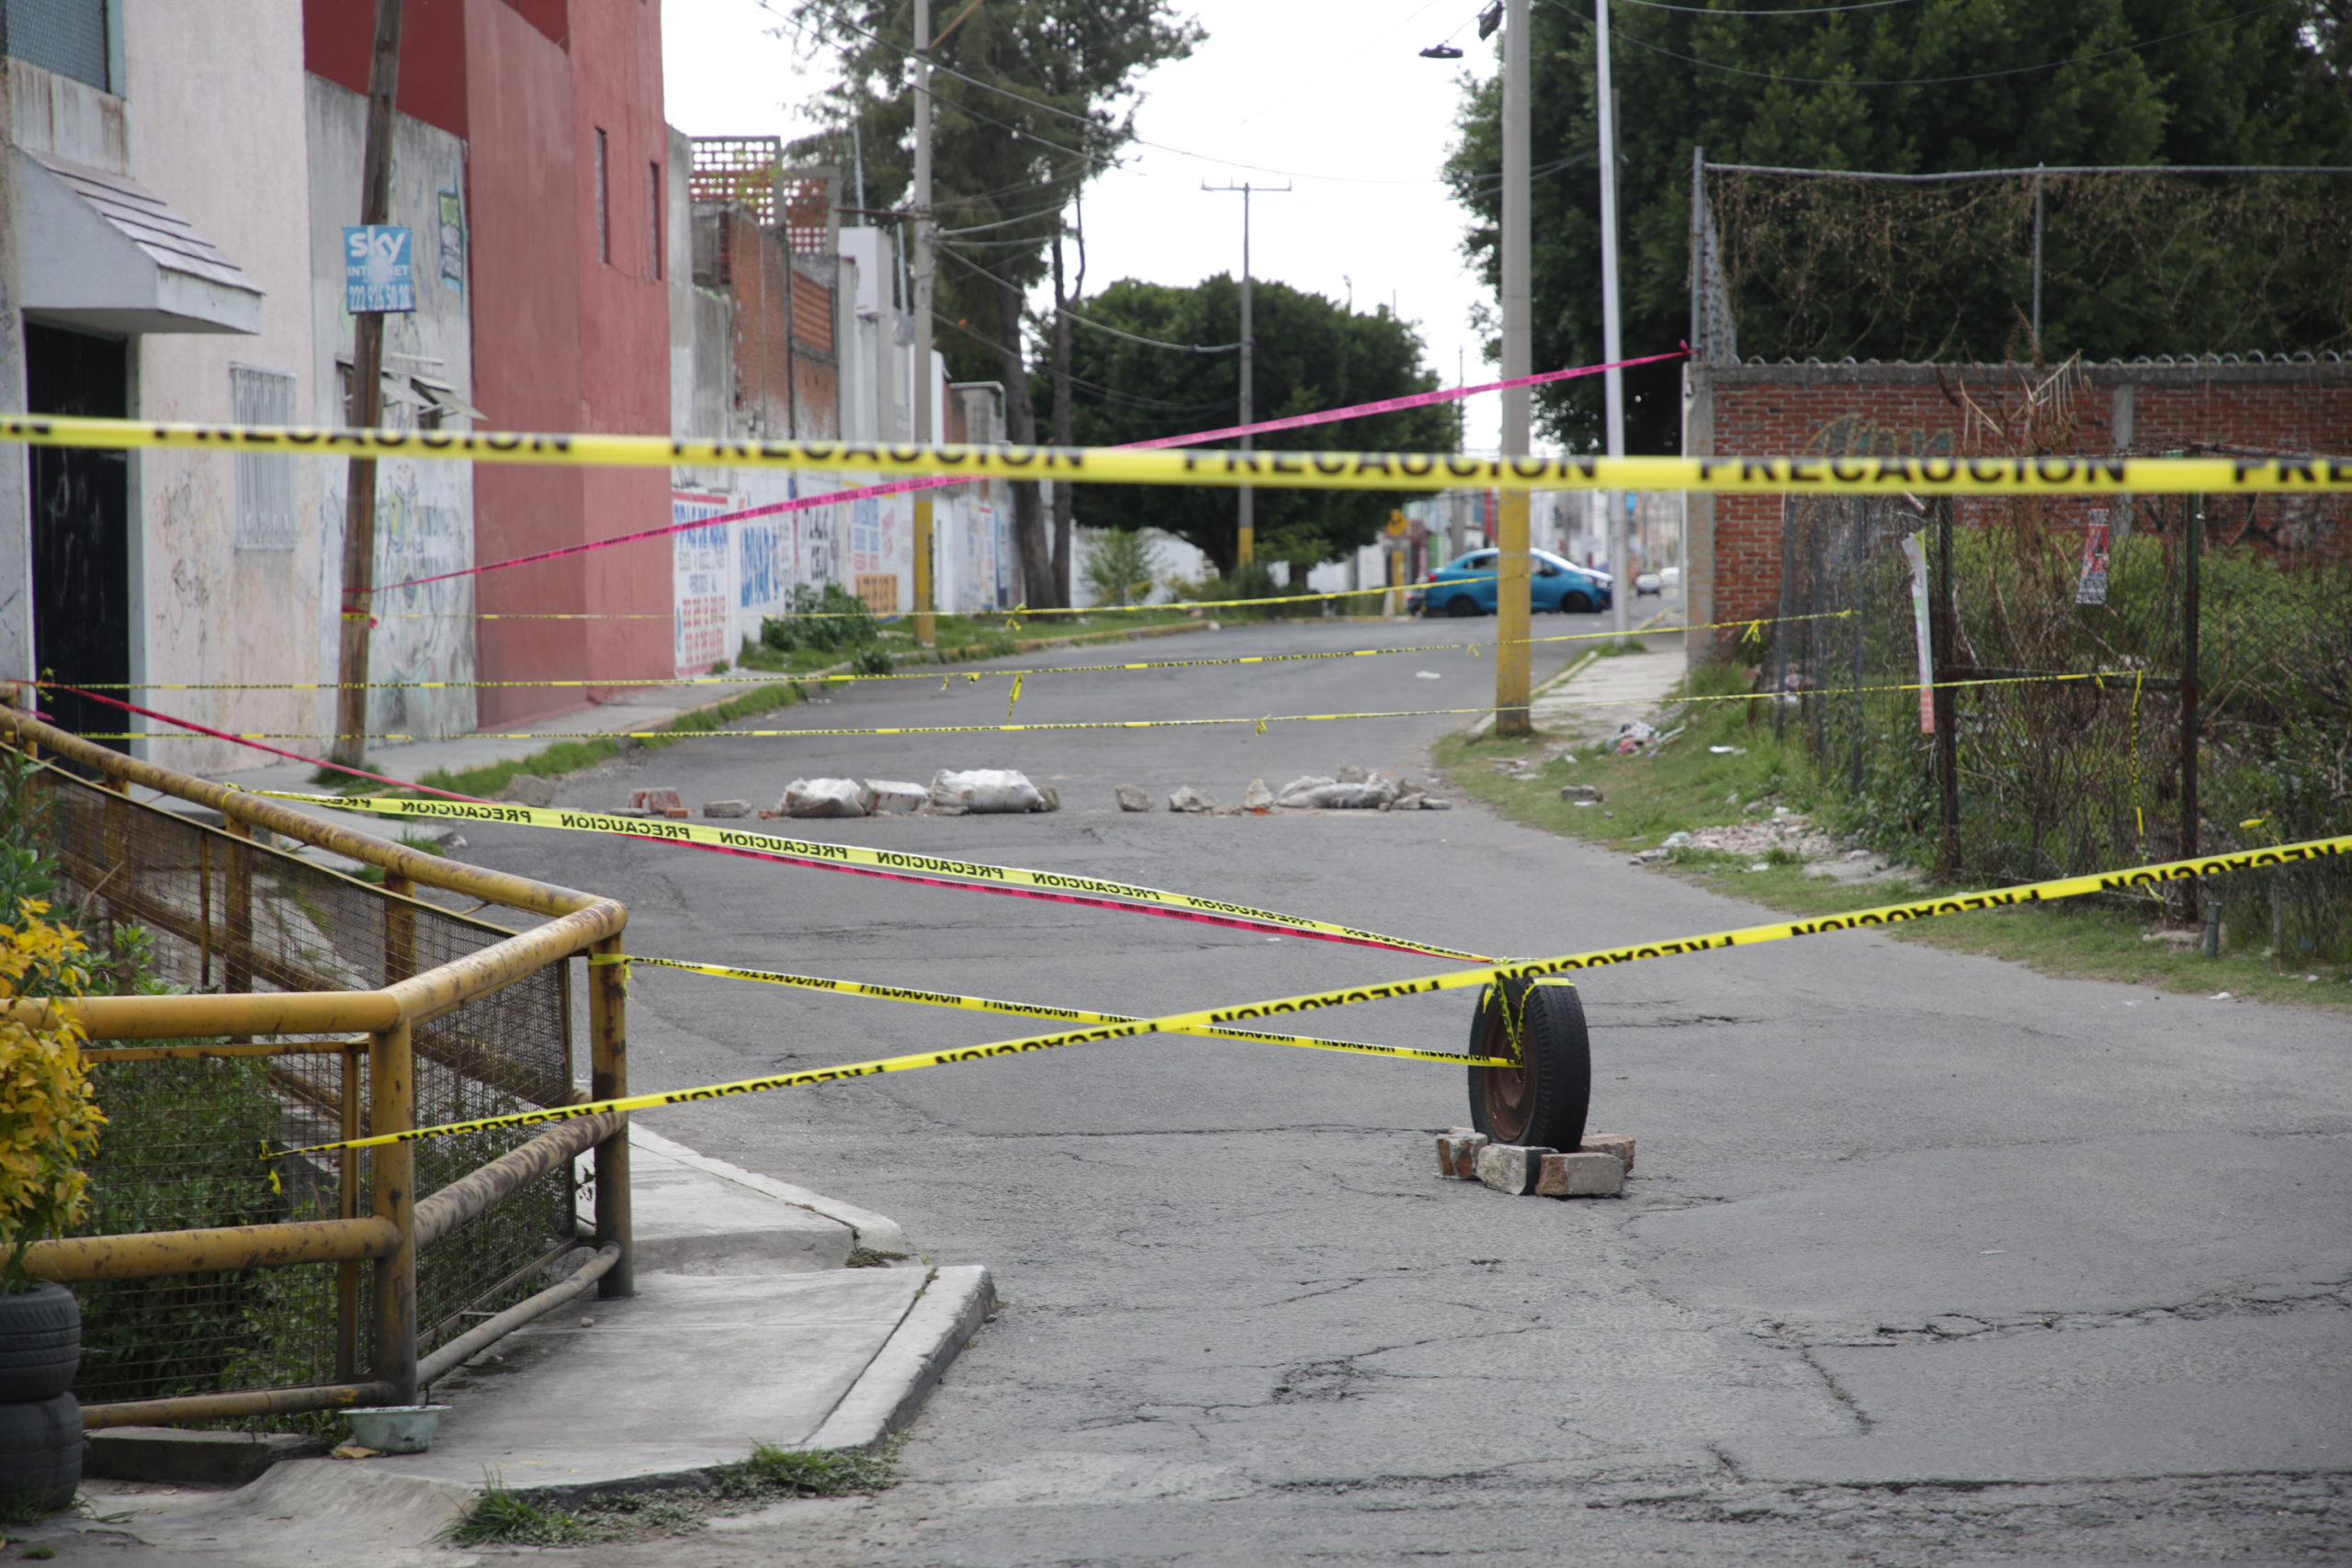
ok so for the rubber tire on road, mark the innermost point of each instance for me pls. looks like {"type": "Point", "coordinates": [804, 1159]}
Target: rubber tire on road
{"type": "Point", "coordinates": [41, 1452]}
{"type": "Point", "coordinates": [1463, 605]}
{"type": "Point", "coordinates": [40, 1343]}
{"type": "Point", "coordinates": [1574, 605]}
{"type": "Point", "coordinates": [1543, 1102]}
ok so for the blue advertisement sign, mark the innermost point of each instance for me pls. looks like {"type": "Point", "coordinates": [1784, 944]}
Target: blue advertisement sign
{"type": "Point", "coordinates": [379, 277]}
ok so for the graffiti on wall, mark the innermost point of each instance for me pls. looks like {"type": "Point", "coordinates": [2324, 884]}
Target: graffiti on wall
{"type": "Point", "coordinates": [698, 573]}
{"type": "Point", "coordinates": [424, 631]}
{"type": "Point", "coordinates": [1857, 434]}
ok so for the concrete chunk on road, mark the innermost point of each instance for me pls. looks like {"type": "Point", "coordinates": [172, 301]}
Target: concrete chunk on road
{"type": "Point", "coordinates": [726, 809]}
{"type": "Point", "coordinates": [1611, 1143]}
{"type": "Point", "coordinates": [1190, 799]}
{"type": "Point", "coordinates": [529, 789]}
{"type": "Point", "coordinates": [896, 796]}
{"type": "Point", "coordinates": [1578, 1174]}
{"type": "Point", "coordinates": [1133, 797]}
{"type": "Point", "coordinates": [1457, 1153]}
{"type": "Point", "coordinates": [1512, 1168]}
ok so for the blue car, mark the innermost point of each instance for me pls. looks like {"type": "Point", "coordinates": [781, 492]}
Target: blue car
{"type": "Point", "coordinates": [1466, 587]}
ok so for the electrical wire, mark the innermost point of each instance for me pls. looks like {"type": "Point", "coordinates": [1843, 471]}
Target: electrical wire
{"type": "Point", "coordinates": [1807, 11]}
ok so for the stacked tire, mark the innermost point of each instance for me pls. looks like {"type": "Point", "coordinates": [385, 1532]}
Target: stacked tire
{"type": "Point", "coordinates": [40, 1421]}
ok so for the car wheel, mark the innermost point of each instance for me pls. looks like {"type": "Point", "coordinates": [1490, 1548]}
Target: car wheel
{"type": "Point", "coordinates": [1542, 1101]}
{"type": "Point", "coordinates": [1574, 605]}
{"type": "Point", "coordinates": [1461, 604]}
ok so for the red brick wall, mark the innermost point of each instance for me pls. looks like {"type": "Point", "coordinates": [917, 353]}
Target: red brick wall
{"type": "Point", "coordinates": [765, 365]}
{"type": "Point", "coordinates": [1774, 411]}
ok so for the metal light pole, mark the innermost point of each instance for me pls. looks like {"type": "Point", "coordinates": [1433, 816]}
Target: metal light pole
{"type": "Point", "coordinates": [926, 622]}
{"type": "Point", "coordinates": [1511, 608]}
{"type": "Point", "coordinates": [1246, 549]}
{"type": "Point", "coordinates": [1612, 382]}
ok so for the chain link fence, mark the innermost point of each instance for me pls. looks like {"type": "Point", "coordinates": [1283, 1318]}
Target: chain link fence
{"type": "Point", "coordinates": [180, 905]}
{"type": "Point", "coordinates": [2132, 680]}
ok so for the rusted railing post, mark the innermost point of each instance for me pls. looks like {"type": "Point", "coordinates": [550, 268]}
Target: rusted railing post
{"type": "Point", "coordinates": [608, 1079]}
{"type": "Point", "coordinates": [346, 1274]}
{"type": "Point", "coordinates": [392, 1107]}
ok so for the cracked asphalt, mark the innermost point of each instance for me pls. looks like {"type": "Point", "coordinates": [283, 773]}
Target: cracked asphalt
{"type": "Point", "coordinates": [1927, 1260]}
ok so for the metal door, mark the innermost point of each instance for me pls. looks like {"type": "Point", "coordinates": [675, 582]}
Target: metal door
{"type": "Point", "coordinates": [81, 528]}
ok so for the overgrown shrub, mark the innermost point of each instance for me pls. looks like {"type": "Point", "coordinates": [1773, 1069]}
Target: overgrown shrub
{"type": "Point", "coordinates": [833, 620]}
{"type": "Point", "coordinates": [48, 1121]}
{"type": "Point", "coordinates": [1120, 563]}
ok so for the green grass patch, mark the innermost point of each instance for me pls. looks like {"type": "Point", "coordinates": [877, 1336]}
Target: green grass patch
{"type": "Point", "coordinates": [1686, 786]}
{"type": "Point", "coordinates": [500, 1516]}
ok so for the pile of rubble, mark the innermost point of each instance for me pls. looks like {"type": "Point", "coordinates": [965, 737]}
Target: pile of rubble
{"type": "Point", "coordinates": [1785, 830]}
{"type": "Point", "coordinates": [973, 791]}
{"type": "Point", "coordinates": [1349, 789]}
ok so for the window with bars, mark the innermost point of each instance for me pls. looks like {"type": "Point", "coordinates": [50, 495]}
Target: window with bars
{"type": "Point", "coordinates": [69, 37]}
{"type": "Point", "coordinates": [265, 512]}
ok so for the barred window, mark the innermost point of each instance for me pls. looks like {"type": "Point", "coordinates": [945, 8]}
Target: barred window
{"type": "Point", "coordinates": [68, 37]}
{"type": "Point", "coordinates": [265, 512]}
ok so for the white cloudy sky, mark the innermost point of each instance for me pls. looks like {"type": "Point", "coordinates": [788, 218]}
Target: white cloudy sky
{"type": "Point", "coordinates": [1333, 99]}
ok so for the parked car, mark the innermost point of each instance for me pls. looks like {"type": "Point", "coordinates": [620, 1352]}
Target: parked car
{"type": "Point", "coordinates": [1649, 583]}
{"type": "Point", "coordinates": [1466, 587]}
{"type": "Point", "coordinates": [1671, 575]}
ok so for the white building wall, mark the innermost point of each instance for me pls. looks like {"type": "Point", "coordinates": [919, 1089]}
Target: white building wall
{"type": "Point", "coordinates": [424, 511]}
{"type": "Point", "coordinates": [216, 108]}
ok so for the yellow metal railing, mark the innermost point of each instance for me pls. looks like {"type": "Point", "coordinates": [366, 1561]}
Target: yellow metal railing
{"type": "Point", "coordinates": [378, 1359]}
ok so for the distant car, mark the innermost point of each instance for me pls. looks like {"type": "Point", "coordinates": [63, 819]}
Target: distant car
{"type": "Point", "coordinates": [1649, 583]}
{"type": "Point", "coordinates": [1466, 587]}
{"type": "Point", "coordinates": [1671, 575]}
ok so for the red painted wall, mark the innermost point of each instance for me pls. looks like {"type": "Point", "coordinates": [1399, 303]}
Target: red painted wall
{"type": "Point", "coordinates": [1902, 413]}
{"type": "Point", "coordinates": [339, 35]}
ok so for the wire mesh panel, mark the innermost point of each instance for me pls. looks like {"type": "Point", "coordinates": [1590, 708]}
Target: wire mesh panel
{"type": "Point", "coordinates": [177, 903]}
{"type": "Point", "coordinates": [2085, 735]}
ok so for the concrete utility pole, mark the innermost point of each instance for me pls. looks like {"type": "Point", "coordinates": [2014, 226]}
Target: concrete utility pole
{"type": "Point", "coordinates": [349, 746]}
{"type": "Point", "coordinates": [1511, 608]}
{"type": "Point", "coordinates": [1246, 549]}
{"type": "Point", "coordinates": [926, 624]}
{"type": "Point", "coordinates": [1613, 381]}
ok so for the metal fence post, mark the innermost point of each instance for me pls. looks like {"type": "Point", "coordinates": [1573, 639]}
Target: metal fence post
{"type": "Point", "coordinates": [391, 1105]}
{"type": "Point", "coordinates": [2190, 694]}
{"type": "Point", "coordinates": [608, 1079]}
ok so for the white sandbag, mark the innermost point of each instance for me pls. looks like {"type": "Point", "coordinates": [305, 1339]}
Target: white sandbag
{"type": "Point", "coordinates": [985, 790]}
{"type": "Point", "coordinates": [826, 797]}
{"type": "Point", "coordinates": [895, 795]}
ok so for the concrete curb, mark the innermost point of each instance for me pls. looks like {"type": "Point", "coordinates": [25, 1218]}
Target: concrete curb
{"type": "Point", "coordinates": [891, 1390]}
{"type": "Point", "coordinates": [873, 1231]}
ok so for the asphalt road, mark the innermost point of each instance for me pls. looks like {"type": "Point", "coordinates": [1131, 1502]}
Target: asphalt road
{"type": "Point", "coordinates": [1927, 1259]}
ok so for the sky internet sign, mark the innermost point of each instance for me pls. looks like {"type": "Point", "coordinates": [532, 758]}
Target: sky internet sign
{"type": "Point", "coordinates": [378, 275]}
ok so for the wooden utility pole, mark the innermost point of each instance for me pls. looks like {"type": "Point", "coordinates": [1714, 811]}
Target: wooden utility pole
{"type": "Point", "coordinates": [350, 744]}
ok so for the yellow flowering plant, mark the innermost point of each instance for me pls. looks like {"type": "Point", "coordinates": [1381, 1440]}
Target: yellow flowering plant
{"type": "Point", "coordinates": [48, 1121]}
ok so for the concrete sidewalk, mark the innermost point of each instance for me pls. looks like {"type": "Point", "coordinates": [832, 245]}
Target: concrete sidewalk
{"type": "Point", "coordinates": [764, 1312]}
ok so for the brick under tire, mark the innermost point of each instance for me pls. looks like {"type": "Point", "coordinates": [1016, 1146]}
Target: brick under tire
{"type": "Point", "coordinates": [41, 1453]}
{"type": "Point", "coordinates": [1542, 1101]}
{"type": "Point", "coordinates": [40, 1343]}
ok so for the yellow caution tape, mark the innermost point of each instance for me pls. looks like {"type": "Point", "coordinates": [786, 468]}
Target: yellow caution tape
{"type": "Point", "coordinates": [1461, 979]}
{"type": "Point", "coordinates": [1192, 466]}
{"type": "Point", "coordinates": [1027, 1009]}
{"type": "Point", "coordinates": [843, 854]}
{"type": "Point", "coordinates": [770, 678]}
{"type": "Point", "coordinates": [1259, 722]}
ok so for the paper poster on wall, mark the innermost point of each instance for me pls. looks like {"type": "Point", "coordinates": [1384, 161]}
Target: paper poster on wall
{"type": "Point", "coordinates": [698, 566]}
{"type": "Point", "coordinates": [2090, 588]}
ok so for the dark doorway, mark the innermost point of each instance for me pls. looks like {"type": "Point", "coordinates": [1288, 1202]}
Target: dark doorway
{"type": "Point", "coordinates": [81, 518]}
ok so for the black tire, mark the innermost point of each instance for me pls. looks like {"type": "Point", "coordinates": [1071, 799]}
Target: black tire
{"type": "Point", "coordinates": [40, 1343]}
{"type": "Point", "coordinates": [41, 1453]}
{"type": "Point", "coordinates": [1463, 605]}
{"type": "Point", "coordinates": [1574, 605]}
{"type": "Point", "coordinates": [1543, 1102]}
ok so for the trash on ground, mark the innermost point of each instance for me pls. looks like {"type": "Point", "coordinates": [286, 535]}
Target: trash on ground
{"type": "Point", "coordinates": [1427, 675]}
{"type": "Point", "coordinates": [1728, 751]}
{"type": "Point", "coordinates": [825, 797]}
{"type": "Point", "coordinates": [1258, 797]}
{"type": "Point", "coordinates": [1582, 795]}
{"type": "Point", "coordinates": [984, 791]}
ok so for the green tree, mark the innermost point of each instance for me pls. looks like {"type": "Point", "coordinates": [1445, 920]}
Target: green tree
{"type": "Point", "coordinates": [1933, 87]}
{"type": "Point", "coordinates": [1031, 99]}
{"type": "Point", "coordinates": [1311, 353]}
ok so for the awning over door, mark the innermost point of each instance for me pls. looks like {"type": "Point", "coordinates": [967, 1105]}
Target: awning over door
{"type": "Point", "coordinates": [105, 254]}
